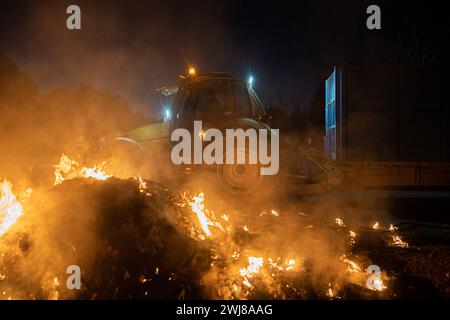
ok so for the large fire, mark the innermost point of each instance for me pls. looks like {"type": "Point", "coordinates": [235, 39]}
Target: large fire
{"type": "Point", "coordinates": [236, 269]}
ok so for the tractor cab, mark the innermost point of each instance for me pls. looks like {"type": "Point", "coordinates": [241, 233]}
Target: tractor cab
{"type": "Point", "coordinates": [213, 98]}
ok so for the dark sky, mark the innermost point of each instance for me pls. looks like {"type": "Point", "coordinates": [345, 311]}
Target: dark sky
{"type": "Point", "coordinates": [133, 47]}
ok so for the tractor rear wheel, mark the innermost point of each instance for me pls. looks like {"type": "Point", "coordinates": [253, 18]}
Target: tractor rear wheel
{"type": "Point", "coordinates": [240, 179]}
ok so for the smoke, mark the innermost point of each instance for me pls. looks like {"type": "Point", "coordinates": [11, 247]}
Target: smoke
{"type": "Point", "coordinates": [119, 240]}
{"type": "Point", "coordinates": [36, 128]}
{"type": "Point", "coordinates": [130, 50]}
{"type": "Point", "coordinates": [120, 237]}
{"type": "Point", "coordinates": [137, 242]}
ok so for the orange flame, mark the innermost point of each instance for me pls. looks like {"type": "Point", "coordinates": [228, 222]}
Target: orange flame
{"type": "Point", "coordinates": [68, 169]}
{"type": "Point", "coordinates": [10, 208]}
{"type": "Point", "coordinates": [204, 217]}
{"type": "Point", "coordinates": [397, 241]}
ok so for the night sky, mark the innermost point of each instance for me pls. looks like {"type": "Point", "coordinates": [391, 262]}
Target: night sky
{"type": "Point", "coordinates": [133, 47]}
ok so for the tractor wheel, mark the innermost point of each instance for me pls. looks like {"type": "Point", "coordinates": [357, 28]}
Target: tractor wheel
{"type": "Point", "coordinates": [240, 179]}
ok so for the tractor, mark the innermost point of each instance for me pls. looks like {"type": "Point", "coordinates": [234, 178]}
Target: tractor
{"type": "Point", "coordinates": [220, 101]}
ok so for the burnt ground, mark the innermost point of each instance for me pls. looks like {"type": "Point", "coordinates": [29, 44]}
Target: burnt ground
{"type": "Point", "coordinates": [139, 245]}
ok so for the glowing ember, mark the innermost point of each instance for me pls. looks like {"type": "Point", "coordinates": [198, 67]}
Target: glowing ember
{"type": "Point", "coordinates": [266, 271]}
{"type": "Point", "coordinates": [142, 184]}
{"type": "Point", "coordinates": [398, 242]}
{"type": "Point", "coordinates": [352, 237]}
{"type": "Point", "coordinates": [10, 208]}
{"type": "Point", "coordinates": [254, 264]}
{"type": "Point", "coordinates": [274, 264]}
{"type": "Point", "coordinates": [330, 292]}
{"type": "Point", "coordinates": [290, 264]}
{"type": "Point", "coordinates": [376, 226]}
{"type": "Point", "coordinates": [246, 283]}
{"type": "Point", "coordinates": [377, 285]}
{"type": "Point", "coordinates": [272, 212]}
{"type": "Point", "coordinates": [392, 228]}
{"type": "Point", "coordinates": [340, 222]}
{"type": "Point", "coordinates": [352, 266]}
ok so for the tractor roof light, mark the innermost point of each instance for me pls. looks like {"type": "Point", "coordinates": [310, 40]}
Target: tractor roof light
{"type": "Point", "coordinates": [250, 81]}
{"type": "Point", "coordinates": [192, 72]}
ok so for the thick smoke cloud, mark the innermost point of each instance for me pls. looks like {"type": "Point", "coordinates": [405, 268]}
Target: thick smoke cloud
{"type": "Point", "coordinates": [128, 48]}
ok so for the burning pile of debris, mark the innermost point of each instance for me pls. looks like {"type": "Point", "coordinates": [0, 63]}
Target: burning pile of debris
{"type": "Point", "coordinates": [135, 239]}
